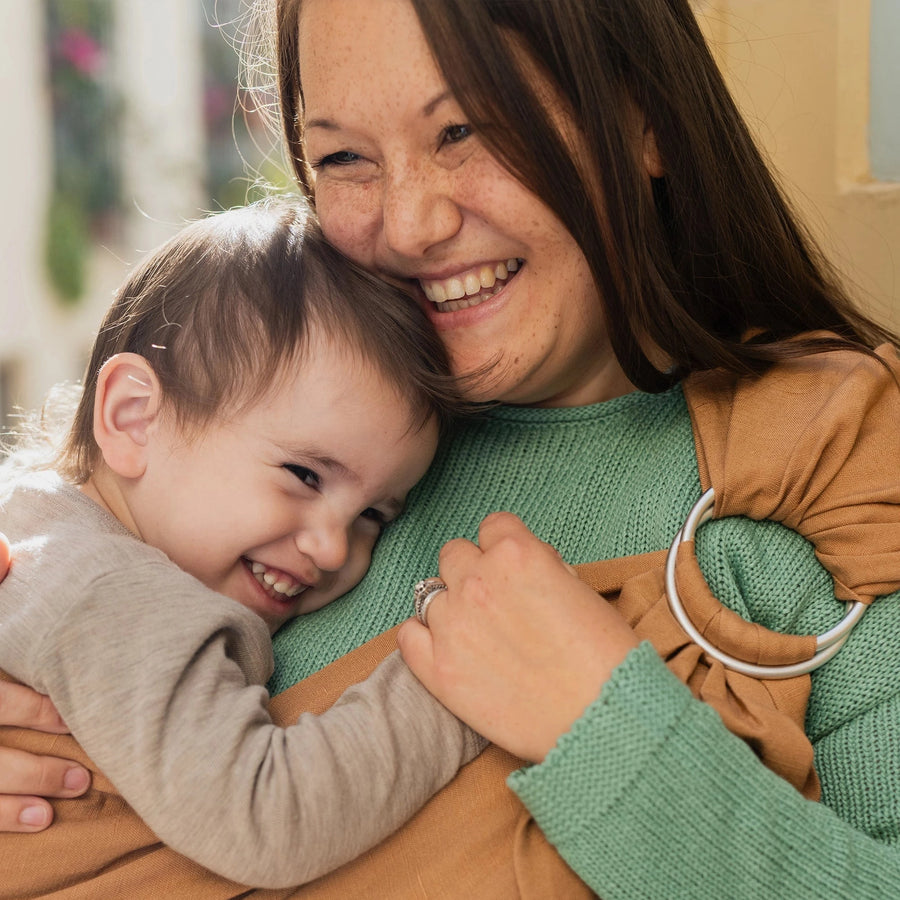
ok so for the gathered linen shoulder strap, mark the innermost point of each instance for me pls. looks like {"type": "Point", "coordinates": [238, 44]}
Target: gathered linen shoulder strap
{"type": "Point", "coordinates": [813, 445]}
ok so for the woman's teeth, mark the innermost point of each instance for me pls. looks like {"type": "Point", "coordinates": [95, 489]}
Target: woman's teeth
{"type": "Point", "coordinates": [272, 578]}
{"type": "Point", "coordinates": [470, 288]}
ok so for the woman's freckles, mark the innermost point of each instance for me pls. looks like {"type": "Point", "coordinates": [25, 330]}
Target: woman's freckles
{"type": "Point", "coordinates": [425, 201]}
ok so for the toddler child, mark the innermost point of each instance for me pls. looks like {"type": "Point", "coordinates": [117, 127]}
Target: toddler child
{"type": "Point", "coordinates": [254, 413]}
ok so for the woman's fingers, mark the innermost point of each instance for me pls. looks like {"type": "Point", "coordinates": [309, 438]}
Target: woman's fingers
{"type": "Point", "coordinates": [24, 814]}
{"type": "Point", "coordinates": [457, 555]}
{"type": "Point", "coordinates": [414, 638]}
{"type": "Point", "coordinates": [517, 647]}
{"type": "Point", "coordinates": [20, 705]}
{"type": "Point", "coordinates": [501, 525]}
{"type": "Point", "coordinates": [43, 776]}
{"type": "Point", "coordinates": [25, 778]}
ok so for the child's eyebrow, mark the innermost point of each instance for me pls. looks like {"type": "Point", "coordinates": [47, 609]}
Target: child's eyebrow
{"type": "Point", "coordinates": [310, 454]}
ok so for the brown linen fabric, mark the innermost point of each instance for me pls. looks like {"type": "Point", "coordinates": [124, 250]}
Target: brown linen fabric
{"type": "Point", "coordinates": [474, 839]}
{"type": "Point", "coordinates": [772, 448]}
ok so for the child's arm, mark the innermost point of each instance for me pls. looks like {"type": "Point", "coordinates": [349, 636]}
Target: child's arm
{"type": "Point", "coordinates": [172, 709]}
{"type": "Point", "coordinates": [21, 775]}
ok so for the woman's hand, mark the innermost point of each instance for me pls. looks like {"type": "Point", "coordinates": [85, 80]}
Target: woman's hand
{"type": "Point", "coordinates": [517, 647]}
{"type": "Point", "coordinates": [26, 779]}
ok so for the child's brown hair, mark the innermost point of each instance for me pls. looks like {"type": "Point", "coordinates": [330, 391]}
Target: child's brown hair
{"type": "Point", "coordinates": [229, 300]}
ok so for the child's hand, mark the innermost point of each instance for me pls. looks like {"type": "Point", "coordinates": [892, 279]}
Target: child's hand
{"type": "Point", "coordinates": [4, 555]}
{"type": "Point", "coordinates": [517, 647]}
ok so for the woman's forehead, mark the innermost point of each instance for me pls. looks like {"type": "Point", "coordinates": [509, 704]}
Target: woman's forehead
{"type": "Point", "coordinates": [360, 48]}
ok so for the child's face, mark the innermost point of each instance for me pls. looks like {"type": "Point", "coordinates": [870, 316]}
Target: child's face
{"type": "Point", "coordinates": [279, 508]}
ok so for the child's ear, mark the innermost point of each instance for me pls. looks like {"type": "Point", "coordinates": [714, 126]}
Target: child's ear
{"type": "Point", "coordinates": [126, 404]}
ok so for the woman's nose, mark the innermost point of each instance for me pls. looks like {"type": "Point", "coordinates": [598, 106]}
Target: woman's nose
{"type": "Point", "coordinates": [418, 210]}
{"type": "Point", "coordinates": [325, 543]}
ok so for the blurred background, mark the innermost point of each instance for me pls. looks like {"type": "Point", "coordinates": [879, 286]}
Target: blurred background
{"type": "Point", "coordinates": [124, 121]}
{"type": "Point", "coordinates": [122, 124]}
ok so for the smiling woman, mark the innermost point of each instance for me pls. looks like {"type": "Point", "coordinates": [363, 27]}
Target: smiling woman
{"type": "Point", "coordinates": [596, 145]}
{"type": "Point", "coordinates": [407, 188]}
{"type": "Point", "coordinates": [667, 327]}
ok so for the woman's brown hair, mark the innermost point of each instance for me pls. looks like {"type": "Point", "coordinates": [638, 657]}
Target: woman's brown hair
{"type": "Point", "coordinates": [707, 263]}
{"type": "Point", "coordinates": [223, 306]}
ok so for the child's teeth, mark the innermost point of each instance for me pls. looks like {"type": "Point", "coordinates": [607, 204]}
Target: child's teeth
{"type": "Point", "coordinates": [277, 582]}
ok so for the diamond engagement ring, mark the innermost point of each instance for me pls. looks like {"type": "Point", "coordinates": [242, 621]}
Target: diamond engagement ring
{"type": "Point", "coordinates": [423, 593]}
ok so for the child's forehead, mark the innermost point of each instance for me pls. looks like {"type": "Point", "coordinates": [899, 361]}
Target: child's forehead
{"type": "Point", "coordinates": [329, 381]}
{"type": "Point", "coordinates": [339, 364]}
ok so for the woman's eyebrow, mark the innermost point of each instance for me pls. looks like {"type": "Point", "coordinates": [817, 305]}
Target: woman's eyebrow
{"type": "Point", "coordinates": [327, 124]}
{"type": "Point", "coordinates": [429, 108]}
{"type": "Point", "coordinates": [427, 111]}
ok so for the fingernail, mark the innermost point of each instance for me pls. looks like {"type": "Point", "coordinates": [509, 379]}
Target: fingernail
{"type": "Point", "coordinates": [34, 816]}
{"type": "Point", "coordinates": [76, 779]}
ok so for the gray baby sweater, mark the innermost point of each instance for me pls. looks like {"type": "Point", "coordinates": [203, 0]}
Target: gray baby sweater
{"type": "Point", "coordinates": [162, 682]}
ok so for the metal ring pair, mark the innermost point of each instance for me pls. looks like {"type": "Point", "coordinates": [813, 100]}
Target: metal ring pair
{"type": "Point", "coordinates": [827, 644]}
{"type": "Point", "coordinates": [424, 592]}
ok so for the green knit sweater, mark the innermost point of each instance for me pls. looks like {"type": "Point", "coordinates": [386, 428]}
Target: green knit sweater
{"type": "Point", "coordinates": [648, 795]}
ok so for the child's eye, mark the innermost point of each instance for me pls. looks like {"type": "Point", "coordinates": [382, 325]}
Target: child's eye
{"type": "Point", "coordinates": [375, 515]}
{"type": "Point", "coordinates": [307, 476]}
{"type": "Point", "coordinates": [454, 133]}
{"type": "Point", "coordinates": [341, 158]}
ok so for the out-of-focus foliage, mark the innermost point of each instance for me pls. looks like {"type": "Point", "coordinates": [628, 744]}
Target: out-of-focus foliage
{"type": "Point", "coordinates": [86, 176]}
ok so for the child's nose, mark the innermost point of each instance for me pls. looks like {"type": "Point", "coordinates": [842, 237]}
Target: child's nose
{"type": "Point", "coordinates": [326, 544]}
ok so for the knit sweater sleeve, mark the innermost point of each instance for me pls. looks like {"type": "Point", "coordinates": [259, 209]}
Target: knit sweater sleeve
{"type": "Point", "coordinates": [650, 796]}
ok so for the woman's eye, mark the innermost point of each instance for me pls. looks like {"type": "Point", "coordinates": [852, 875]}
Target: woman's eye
{"type": "Point", "coordinates": [453, 134]}
{"type": "Point", "coordinates": [307, 476]}
{"type": "Point", "coordinates": [341, 158]}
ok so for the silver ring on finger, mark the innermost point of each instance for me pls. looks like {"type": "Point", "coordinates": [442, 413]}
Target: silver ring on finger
{"type": "Point", "coordinates": [424, 592]}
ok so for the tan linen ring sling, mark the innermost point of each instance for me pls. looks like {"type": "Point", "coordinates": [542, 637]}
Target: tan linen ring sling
{"type": "Point", "coordinates": [812, 445]}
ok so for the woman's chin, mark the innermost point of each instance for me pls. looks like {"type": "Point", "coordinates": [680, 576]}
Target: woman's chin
{"type": "Point", "coordinates": [482, 381]}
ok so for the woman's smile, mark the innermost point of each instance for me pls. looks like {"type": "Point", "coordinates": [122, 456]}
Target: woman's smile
{"type": "Point", "coordinates": [469, 288]}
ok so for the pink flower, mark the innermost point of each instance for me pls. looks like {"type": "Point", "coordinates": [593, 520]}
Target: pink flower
{"type": "Point", "coordinates": [81, 51]}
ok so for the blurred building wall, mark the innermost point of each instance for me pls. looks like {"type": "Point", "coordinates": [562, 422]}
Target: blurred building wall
{"type": "Point", "coordinates": [156, 64]}
{"type": "Point", "coordinates": [800, 70]}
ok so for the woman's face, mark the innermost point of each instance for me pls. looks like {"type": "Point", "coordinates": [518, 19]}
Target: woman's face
{"type": "Point", "coordinates": [404, 187]}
